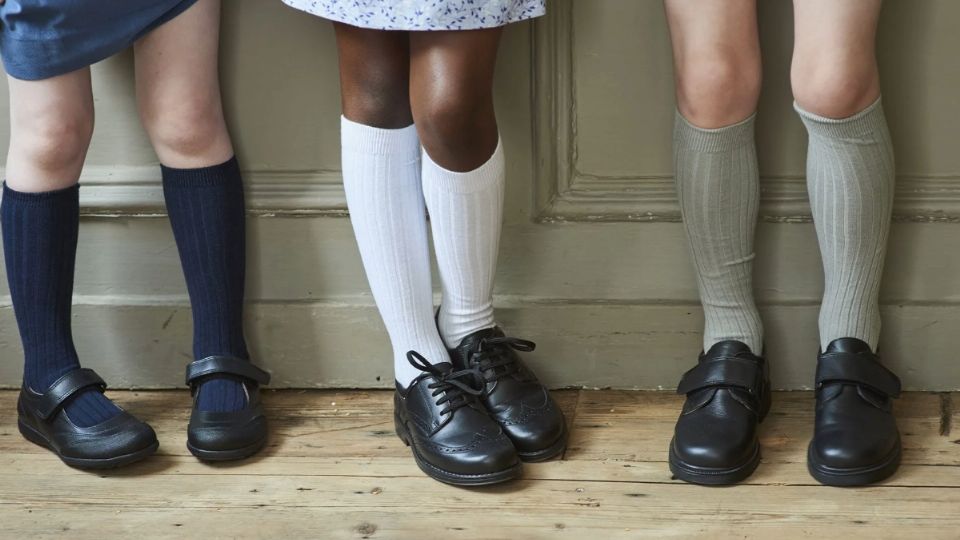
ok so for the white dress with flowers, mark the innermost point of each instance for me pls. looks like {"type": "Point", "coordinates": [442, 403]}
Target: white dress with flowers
{"type": "Point", "coordinates": [423, 14]}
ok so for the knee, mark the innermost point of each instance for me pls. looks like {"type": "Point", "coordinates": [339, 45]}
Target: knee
{"type": "Point", "coordinates": [55, 142]}
{"type": "Point", "coordinates": [378, 99]}
{"type": "Point", "coordinates": [834, 88]}
{"type": "Point", "coordinates": [718, 90]}
{"type": "Point", "coordinates": [456, 126]}
{"type": "Point", "coordinates": [188, 132]}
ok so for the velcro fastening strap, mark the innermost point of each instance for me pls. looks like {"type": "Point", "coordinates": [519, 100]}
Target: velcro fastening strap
{"type": "Point", "coordinates": [861, 369]}
{"type": "Point", "coordinates": [226, 365]}
{"type": "Point", "coordinates": [725, 371]}
{"type": "Point", "coordinates": [64, 387]}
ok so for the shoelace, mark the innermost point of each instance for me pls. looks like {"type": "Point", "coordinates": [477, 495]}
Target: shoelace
{"type": "Point", "coordinates": [493, 358]}
{"type": "Point", "coordinates": [455, 392]}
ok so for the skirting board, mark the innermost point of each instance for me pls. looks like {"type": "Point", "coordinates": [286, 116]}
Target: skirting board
{"type": "Point", "coordinates": [592, 344]}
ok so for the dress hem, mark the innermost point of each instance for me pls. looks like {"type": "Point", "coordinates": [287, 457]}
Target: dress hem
{"type": "Point", "coordinates": [399, 28]}
{"type": "Point", "coordinates": [49, 70]}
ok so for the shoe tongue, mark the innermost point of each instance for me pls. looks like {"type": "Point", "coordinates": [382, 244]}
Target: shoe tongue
{"type": "Point", "coordinates": [727, 348]}
{"type": "Point", "coordinates": [444, 366]}
{"type": "Point", "coordinates": [471, 343]}
{"type": "Point", "coordinates": [848, 345]}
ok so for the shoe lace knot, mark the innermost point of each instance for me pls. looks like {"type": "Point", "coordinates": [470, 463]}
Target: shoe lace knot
{"type": "Point", "coordinates": [453, 389]}
{"type": "Point", "coordinates": [495, 358]}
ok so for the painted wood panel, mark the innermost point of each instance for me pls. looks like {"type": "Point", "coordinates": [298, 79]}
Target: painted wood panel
{"type": "Point", "coordinates": [593, 265]}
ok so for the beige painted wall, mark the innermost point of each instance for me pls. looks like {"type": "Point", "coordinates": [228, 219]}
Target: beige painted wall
{"type": "Point", "coordinates": [593, 265]}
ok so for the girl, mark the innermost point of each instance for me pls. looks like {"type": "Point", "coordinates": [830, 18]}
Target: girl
{"type": "Point", "coordinates": [850, 177]}
{"type": "Point", "coordinates": [47, 48]}
{"type": "Point", "coordinates": [421, 73]}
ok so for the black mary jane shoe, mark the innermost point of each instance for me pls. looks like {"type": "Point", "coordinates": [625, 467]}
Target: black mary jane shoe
{"type": "Point", "coordinates": [513, 395]}
{"type": "Point", "coordinates": [227, 436]}
{"type": "Point", "coordinates": [119, 441]}
{"type": "Point", "coordinates": [728, 394]}
{"type": "Point", "coordinates": [855, 438]}
{"type": "Point", "coordinates": [452, 436]}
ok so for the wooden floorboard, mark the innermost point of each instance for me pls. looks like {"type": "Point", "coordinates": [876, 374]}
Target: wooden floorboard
{"type": "Point", "coordinates": [335, 469]}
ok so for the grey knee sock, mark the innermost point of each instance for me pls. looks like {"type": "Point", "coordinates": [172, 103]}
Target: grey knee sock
{"type": "Point", "coordinates": [719, 190]}
{"type": "Point", "coordinates": [850, 177]}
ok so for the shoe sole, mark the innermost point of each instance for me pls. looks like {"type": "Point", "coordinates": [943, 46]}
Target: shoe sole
{"type": "Point", "coordinates": [452, 478]}
{"type": "Point", "coordinates": [37, 438]}
{"type": "Point", "coordinates": [860, 476]}
{"type": "Point", "coordinates": [227, 455]}
{"type": "Point", "coordinates": [547, 453]}
{"type": "Point", "coordinates": [708, 476]}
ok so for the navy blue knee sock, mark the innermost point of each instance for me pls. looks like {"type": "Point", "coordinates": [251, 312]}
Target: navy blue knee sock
{"type": "Point", "coordinates": [207, 214]}
{"type": "Point", "coordinates": [40, 248]}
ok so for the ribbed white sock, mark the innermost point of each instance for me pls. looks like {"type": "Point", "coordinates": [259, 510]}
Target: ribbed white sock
{"type": "Point", "coordinates": [850, 177]}
{"type": "Point", "coordinates": [719, 191]}
{"type": "Point", "coordinates": [381, 178]}
{"type": "Point", "coordinates": [466, 211]}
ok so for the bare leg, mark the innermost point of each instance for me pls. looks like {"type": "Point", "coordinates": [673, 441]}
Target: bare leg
{"type": "Point", "coordinates": [374, 76]}
{"type": "Point", "coordinates": [834, 68]}
{"type": "Point", "coordinates": [716, 55]}
{"type": "Point", "coordinates": [452, 95]}
{"type": "Point", "coordinates": [178, 89]}
{"type": "Point", "coordinates": [51, 123]}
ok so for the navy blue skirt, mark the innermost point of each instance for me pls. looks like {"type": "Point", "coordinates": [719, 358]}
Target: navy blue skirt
{"type": "Point", "coordinates": [40, 39]}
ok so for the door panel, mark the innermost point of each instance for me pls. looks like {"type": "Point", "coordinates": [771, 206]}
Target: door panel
{"type": "Point", "coordinates": [593, 264]}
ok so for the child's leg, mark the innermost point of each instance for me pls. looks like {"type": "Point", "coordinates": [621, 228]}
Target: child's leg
{"type": "Point", "coordinates": [717, 63]}
{"type": "Point", "coordinates": [381, 176]}
{"type": "Point", "coordinates": [850, 171]}
{"type": "Point", "coordinates": [51, 123]}
{"type": "Point", "coordinates": [463, 183]}
{"type": "Point", "coordinates": [463, 169]}
{"type": "Point", "coordinates": [51, 126]}
{"type": "Point", "coordinates": [178, 89]}
{"type": "Point", "coordinates": [850, 177]}
{"type": "Point", "coordinates": [178, 93]}
{"type": "Point", "coordinates": [717, 58]}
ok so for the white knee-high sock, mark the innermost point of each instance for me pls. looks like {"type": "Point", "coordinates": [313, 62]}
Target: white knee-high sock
{"type": "Point", "coordinates": [850, 178]}
{"type": "Point", "coordinates": [381, 178]}
{"type": "Point", "coordinates": [719, 190]}
{"type": "Point", "coordinates": [466, 211]}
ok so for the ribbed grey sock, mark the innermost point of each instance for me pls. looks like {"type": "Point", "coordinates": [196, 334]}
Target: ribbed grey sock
{"type": "Point", "coordinates": [719, 190]}
{"type": "Point", "coordinates": [850, 177]}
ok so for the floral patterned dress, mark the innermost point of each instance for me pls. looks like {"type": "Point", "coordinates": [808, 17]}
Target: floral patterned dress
{"type": "Point", "coordinates": [423, 14]}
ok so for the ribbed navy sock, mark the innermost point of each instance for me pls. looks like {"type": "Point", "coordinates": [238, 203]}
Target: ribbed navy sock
{"type": "Point", "coordinates": [207, 213]}
{"type": "Point", "coordinates": [40, 246]}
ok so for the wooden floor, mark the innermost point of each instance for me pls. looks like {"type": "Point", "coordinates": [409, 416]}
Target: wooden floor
{"type": "Point", "coordinates": [335, 469]}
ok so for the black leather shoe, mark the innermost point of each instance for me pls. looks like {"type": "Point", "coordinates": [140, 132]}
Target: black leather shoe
{"type": "Point", "coordinates": [728, 394]}
{"type": "Point", "coordinates": [225, 436]}
{"type": "Point", "coordinates": [121, 440]}
{"type": "Point", "coordinates": [855, 437]}
{"type": "Point", "coordinates": [453, 438]}
{"type": "Point", "coordinates": [512, 393]}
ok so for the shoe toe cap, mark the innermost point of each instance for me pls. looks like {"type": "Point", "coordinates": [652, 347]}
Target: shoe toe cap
{"type": "Point", "coordinates": [486, 455]}
{"type": "Point", "coordinates": [120, 436]}
{"type": "Point", "coordinates": [714, 443]}
{"type": "Point", "coordinates": [849, 449]}
{"type": "Point", "coordinates": [539, 430]}
{"type": "Point", "coordinates": [224, 434]}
